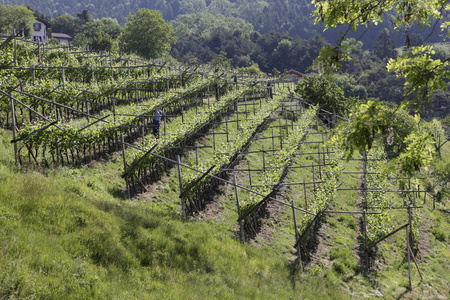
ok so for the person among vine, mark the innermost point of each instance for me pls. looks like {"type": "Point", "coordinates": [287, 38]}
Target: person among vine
{"type": "Point", "coordinates": [157, 121]}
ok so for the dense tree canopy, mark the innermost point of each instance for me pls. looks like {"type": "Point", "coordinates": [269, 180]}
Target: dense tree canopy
{"type": "Point", "coordinates": [205, 38]}
{"type": "Point", "coordinates": [291, 17]}
{"type": "Point", "coordinates": [203, 23]}
{"type": "Point", "coordinates": [384, 46]}
{"type": "Point", "coordinates": [84, 16]}
{"type": "Point", "coordinates": [67, 24]}
{"type": "Point", "coordinates": [146, 34]}
{"type": "Point", "coordinates": [98, 35]}
{"type": "Point", "coordinates": [15, 18]}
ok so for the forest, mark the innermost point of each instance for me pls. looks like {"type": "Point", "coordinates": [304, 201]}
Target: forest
{"type": "Point", "coordinates": [289, 16]}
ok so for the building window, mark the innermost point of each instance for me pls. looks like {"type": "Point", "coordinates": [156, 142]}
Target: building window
{"type": "Point", "coordinates": [37, 27]}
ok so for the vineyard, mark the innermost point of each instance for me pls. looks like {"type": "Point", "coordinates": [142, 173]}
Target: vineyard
{"type": "Point", "coordinates": [238, 148]}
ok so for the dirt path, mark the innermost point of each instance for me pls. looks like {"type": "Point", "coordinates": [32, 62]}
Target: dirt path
{"type": "Point", "coordinates": [265, 236]}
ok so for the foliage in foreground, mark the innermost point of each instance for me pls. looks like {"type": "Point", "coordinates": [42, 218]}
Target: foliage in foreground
{"type": "Point", "coordinates": [414, 141]}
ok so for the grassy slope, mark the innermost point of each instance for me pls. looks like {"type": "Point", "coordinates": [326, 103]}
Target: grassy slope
{"type": "Point", "coordinates": [70, 233]}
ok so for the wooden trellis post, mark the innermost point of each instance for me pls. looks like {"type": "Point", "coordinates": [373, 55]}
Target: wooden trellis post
{"type": "Point", "coordinates": [304, 190]}
{"type": "Point", "coordinates": [314, 177]}
{"type": "Point", "coordinates": [281, 136]}
{"type": "Point", "coordinates": [114, 108]}
{"type": "Point", "coordinates": [111, 64]}
{"type": "Point", "coordinates": [154, 88]}
{"type": "Point", "coordinates": [411, 235]}
{"type": "Point", "coordinates": [241, 225]}
{"type": "Point", "coordinates": [136, 91]}
{"type": "Point", "coordinates": [264, 158]}
{"type": "Point", "coordinates": [63, 77]}
{"type": "Point", "coordinates": [249, 174]}
{"type": "Point", "coordinates": [299, 254]}
{"type": "Point", "coordinates": [168, 84]}
{"type": "Point", "coordinates": [286, 118]}
{"type": "Point", "coordinates": [183, 210]}
{"type": "Point", "coordinates": [182, 110]}
{"type": "Point", "coordinates": [125, 165]}
{"type": "Point", "coordinates": [15, 48]}
{"type": "Point", "coordinates": [214, 139]}
{"type": "Point", "coordinates": [273, 142]}
{"type": "Point", "coordinates": [226, 125]}
{"type": "Point", "coordinates": [164, 124]}
{"type": "Point", "coordinates": [237, 115]}
{"type": "Point", "coordinates": [320, 167]}
{"type": "Point", "coordinates": [13, 122]}
{"type": "Point", "coordinates": [39, 51]}
{"type": "Point", "coordinates": [366, 250]}
{"type": "Point", "coordinates": [87, 110]}
{"type": "Point", "coordinates": [409, 258]}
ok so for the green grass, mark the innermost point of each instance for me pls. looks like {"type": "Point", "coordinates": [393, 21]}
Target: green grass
{"type": "Point", "coordinates": [66, 234]}
{"type": "Point", "coordinates": [71, 234]}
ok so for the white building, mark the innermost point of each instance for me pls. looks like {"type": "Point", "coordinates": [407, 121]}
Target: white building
{"type": "Point", "coordinates": [42, 32]}
{"type": "Point", "coordinates": [64, 39]}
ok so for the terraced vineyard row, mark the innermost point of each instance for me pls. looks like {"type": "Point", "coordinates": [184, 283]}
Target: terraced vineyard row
{"type": "Point", "coordinates": [203, 113]}
{"type": "Point", "coordinates": [82, 99]}
{"type": "Point", "coordinates": [187, 127]}
{"type": "Point", "coordinates": [77, 136]}
{"type": "Point", "coordinates": [225, 154]}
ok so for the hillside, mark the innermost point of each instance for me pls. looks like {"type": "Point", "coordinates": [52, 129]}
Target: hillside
{"type": "Point", "coordinates": [68, 233]}
{"type": "Point", "coordinates": [238, 194]}
{"type": "Point", "coordinates": [291, 17]}
{"type": "Point", "coordinates": [287, 16]}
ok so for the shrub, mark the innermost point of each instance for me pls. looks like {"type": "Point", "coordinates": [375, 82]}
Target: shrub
{"type": "Point", "coordinates": [339, 267]}
{"type": "Point", "coordinates": [438, 234]}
